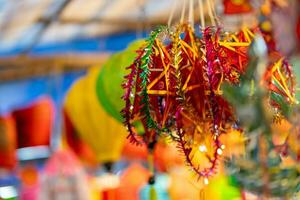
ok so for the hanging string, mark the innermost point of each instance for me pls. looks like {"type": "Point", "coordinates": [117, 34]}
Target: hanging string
{"type": "Point", "coordinates": [210, 13]}
{"type": "Point", "coordinates": [214, 12]}
{"type": "Point", "coordinates": [172, 13]}
{"type": "Point", "coordinates": [201, 13]}
{"type": "Point", "coordinates": [183, 12]}
{"type": "Point", "coordinates": [191, 13]}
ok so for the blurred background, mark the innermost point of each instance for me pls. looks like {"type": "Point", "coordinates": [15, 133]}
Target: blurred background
{"type": "Point", "coordinates": [59, 138]}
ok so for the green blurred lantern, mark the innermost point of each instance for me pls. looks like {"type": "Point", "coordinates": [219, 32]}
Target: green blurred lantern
{"type": "Point", "coordinates": [108, 86]}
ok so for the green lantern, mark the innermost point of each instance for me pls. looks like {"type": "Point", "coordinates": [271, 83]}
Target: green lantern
{"type": "Point", "coordinates": [111, 76]}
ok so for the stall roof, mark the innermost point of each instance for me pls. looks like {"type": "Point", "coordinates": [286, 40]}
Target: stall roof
{"type": "Point", "coordinates": [28, 23]}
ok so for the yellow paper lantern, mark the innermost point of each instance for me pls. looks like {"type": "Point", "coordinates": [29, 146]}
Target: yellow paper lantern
{"type": "Point", "coordinates": [100, 131]}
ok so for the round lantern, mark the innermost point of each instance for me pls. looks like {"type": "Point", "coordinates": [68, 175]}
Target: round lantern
{"type": "Point", "coordinates": [109, 90]}
{"type": "Point", "coordinates": [7, 142]}
{"type": "Point", "coordinates": [101, 132]}
{"type": "Point", "coordinates": [34, 123]}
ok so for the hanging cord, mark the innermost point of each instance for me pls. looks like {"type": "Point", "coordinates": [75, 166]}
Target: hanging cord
{"type": "Point", "coordinates": [201, 13]}
{"type": "Point", "coordinates": [210, 13]}
{"type": "Point", "coordinates": [172, 13]}
{"type": "Point", "coordinates": [191, 13]}
{"type": "Point", "coordinates": [183, 12]}
{"type": "Point", "coordinates": [213, 6]}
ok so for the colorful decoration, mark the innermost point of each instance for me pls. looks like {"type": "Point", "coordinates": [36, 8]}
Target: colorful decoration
{"type": "Point", "coordinates": [177, 88]}
{"type": "Point", "coordinates": [35, 123]}
{"type": "Point", "coordinates": [262, 169]}
{"type": "Point", "coordinates": [174, 90]}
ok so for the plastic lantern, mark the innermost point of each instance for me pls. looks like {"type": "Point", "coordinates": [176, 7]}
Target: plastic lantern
{"type": "Point", "coordinates": [34, 123]}
{"type": "Point", "coordinates": [72, 139]}
{"type": "Point", "coordinates": [7, 142]}
{"type": "Point", "coordinates": [109, 90]}
{"type": "Point", "coordinates": [101, 132]}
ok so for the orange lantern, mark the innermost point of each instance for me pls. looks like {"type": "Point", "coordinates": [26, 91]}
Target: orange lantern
{"type": "Point", "coordinates": [34, 123]}
{"type": "Point", "coordinates": [7, 142]}
{"type": "Point", "coordinates": [165, 155]}
{"type": "Point", "coordinates": [134, 152]}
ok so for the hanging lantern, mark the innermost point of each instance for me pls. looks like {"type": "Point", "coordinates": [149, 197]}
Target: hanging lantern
{"type": "Point", "coordinates": [8, 142]}
{"type": "Point", "coordinates": [108, 86]}
{"type": "Point", "coordinates": [176, 83]}
{"type": "Point", "coordinates": [263, 170]}
{"type": "Point", "coordinates": [237, 6]}
{"type": "Point", "coordinates": [101, 132]}
{"type": "Point", "coordinates": [34, 123]}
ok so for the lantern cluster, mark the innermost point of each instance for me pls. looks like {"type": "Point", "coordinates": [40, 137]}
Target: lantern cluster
{"type": "Point", "coordinates": [174, 89]}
